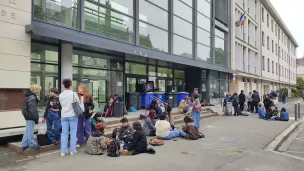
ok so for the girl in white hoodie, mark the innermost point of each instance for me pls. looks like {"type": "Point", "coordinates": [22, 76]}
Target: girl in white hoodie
{"type": "Point", "coordinates": [164, 130]}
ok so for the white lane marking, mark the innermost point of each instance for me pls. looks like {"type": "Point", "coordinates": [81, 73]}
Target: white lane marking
{"type": "Point", "coordinates": [29, 158]}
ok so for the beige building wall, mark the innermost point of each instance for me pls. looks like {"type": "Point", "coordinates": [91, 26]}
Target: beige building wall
{"type": "Point", "coordinates": [15, 51]}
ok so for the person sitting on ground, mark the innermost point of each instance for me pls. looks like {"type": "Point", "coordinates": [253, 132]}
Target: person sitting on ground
{"type": "Point", "coordinates": [164, 130]}
{"type": "Point", "coordinates": [261, 111]}
{"type": "Point", "coordinates": [154, 106]}
{"type": "Point", "coordinates": [139, 142]}
{"type": "Point", "coordinates": [276, 114]}
{"type": "Point", "coordinates": [109, 108]}
{"type": "Point", "coordinates": [190, 131]}
{"type": "Point", "coordinates": [148, 127]}
{"type": "Point", "coordinates": [97, 122]}
{"type": "Point", "coordinates": [97, 142]}
{"type": "Point", "coordinates": [125, 133]}
{"type": "Point", "coordinates": [284, 116]}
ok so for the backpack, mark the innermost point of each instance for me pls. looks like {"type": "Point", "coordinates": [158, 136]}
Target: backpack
{"type": "Point", "coordinates": [201, 135]}
{"type": "Point", "coordinates": [114, 149]}
{"type": "Point", "coordinates": [43, 140]}
{"type": "Point", "coordinates": [235, 101]}
{"type": "Point", "coordinates": [114, 133]}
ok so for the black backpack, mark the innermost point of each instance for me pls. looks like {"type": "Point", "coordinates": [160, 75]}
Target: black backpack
{"type": "Point", "coordinates": [43, 140]}
{"type": "Point", "coordinates": [114, 133]}
{"type": "Point", "coordinates": [114, 149]}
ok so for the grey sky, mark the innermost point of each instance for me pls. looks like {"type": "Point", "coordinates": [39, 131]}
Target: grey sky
{"type": "Point", "coordinates": [290, 11]}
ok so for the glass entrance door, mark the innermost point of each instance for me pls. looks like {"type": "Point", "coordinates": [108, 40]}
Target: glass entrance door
{"type": "Point", "coordinates": [165, 85]}
{"type": "Point", "coordinates": [134, 82]}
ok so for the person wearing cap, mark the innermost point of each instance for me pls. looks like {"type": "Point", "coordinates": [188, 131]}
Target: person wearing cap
{"type": "Point", "coordinates": [98, 124]}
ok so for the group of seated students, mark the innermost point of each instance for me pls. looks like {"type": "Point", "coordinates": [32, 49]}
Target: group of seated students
{"type": "Point", "coordinates": [272, 113]}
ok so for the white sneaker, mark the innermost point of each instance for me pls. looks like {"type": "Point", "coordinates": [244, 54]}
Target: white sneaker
{"type": "Point", "coordinates": [77, 146]}
{"type": "Point", "coordinates": [73, 153]}
{"type": "Point", "coordinates": [63, 154]}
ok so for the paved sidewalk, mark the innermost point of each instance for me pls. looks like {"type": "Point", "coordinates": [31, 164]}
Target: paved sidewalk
{"type": "Point", "coordinates": [297, 146]}
{"type": "Point", "coordinates": [231, 144]}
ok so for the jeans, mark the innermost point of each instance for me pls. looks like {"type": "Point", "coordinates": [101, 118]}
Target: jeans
{"type": "Point", "coordinates": [174, 134]}
{"type": "Point", "coordinates": [242, 106]}
{"type": "Point", "coordinates": [83, 129]}
{"type": "Point", "coordinates": [248, 106]}
{"type": "Point", "coordinates": [126, 141]}
{"type": "Point", "coordinates": [68, 123]}
{"type": "Point", "coordinates": [196, 117]}
{"type": "Point", "coordinates": [53, 118]}
{"type": "Point", "coordinates": [28, 136]}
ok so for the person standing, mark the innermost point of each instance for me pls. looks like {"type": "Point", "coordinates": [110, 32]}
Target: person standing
{"type": "Point", "coordinates": [68, 117]}
{"type": "Point", "coordinates": [284, 97]}
{"type": "Point", "coordinates": [255, 101]}
{"type": "Point", "coordinates": [52, 116]}
{"type": "Point", "coordinates": [196, 111]}
{"type": "Point", "coordinates": [235, 103]}
{"type": "Point", "coordinates": [84, 121]}
{"type": "Point", "coordinates": [242, 99]}
{"type": "Point", "coordinates": [249, 101]}
{"type": "Point", "coordinates": [195, 92]}
{"type": "Point", "coordinates": [30, 113]}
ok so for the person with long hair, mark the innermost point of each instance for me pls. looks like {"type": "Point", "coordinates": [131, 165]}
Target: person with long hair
{"type": "Point", "coordinates": [84, 121]}
{"type": "Point", "coordinates": [196, 111]}
{"type": "Point", "coordinates": [68, 117]}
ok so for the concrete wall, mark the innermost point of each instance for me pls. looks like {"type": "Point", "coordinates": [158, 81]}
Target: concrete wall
{"type": "Point", "coordinates": [15, 51]}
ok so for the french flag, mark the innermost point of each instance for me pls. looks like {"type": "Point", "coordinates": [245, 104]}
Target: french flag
{"type": "Point", "coordinates": [241, 21]}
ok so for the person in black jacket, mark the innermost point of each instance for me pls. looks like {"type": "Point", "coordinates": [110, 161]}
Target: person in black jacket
{"type": "Point", "coordinates": [255, 101]}
{"type": "Point", "coordinates": [30, 113]}
{"type": "Point", "coordinates": [242, 99]}
{"type": "Point", "coordinates": [52, 116]}
{"type": "Point", "coordinates": [139, 143]}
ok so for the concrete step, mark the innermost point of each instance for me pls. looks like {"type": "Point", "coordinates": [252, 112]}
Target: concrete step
{"type": "Point", "coordinates": [178, 119]}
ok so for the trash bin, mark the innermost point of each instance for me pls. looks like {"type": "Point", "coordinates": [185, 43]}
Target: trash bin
{"type": "Point", "coordinates": [181, 96]}
{"type": "Point", "coordinates": [146, 100]}
{"type": "Point", "coordinates": [172, 99]}
{"type": "Point", "coordinates": [160, 95]}
{"type": "Point", "coordinates": [132, 99]}
{"type": "Point", "coordinates": [139, 102]}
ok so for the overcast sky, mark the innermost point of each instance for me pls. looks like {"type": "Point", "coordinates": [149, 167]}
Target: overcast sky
{"type": "Point", "coordinates": [291, 13]}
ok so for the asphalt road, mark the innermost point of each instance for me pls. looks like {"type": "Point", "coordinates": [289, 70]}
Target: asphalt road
{"type": "Point", "coordinates": [232, 143]}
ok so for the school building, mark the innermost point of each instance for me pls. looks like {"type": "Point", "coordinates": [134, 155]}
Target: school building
{"type": "Point", "coordinates": [112, 46]}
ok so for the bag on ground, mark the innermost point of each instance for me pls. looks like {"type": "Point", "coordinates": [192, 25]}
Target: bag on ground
{"type": "Point", "coordinates": [114, 149]}
{"type": "Point", "coordinates": [156, 142]}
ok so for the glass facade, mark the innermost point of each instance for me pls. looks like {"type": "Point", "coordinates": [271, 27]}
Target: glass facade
{"type": "Point", "coordinates": [44, 70]}
{"type": "Point", "coordinates": [219, 86]}
{"type": "Point", "coordinates": [117, 19]}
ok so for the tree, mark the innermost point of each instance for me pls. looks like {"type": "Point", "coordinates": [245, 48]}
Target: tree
{"type": "Point", "coordinates": [300, 84]}
{"type": "Point", "coordinates": [219, 56]}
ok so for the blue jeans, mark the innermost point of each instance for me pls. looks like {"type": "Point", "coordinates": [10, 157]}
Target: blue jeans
{"type": "Point", "coordinates": [174, 134]}
{"type": "Point", "coordinates": [68, 123]}
{"type": "Point", "coordinates": [28, 136]}
{"type": "Point", "coordinates": [196, 117]}
{"type": "Point", "coordinates": [126, 141]}
{"type": "Point", "coordinates": [53, 118]}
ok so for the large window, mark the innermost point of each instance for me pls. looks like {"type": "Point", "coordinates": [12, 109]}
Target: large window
{"type": "Point", "coordinates": [153, 25]}
{"type": "Point", "coordinates": [101, 74]}
{"type": "Point", "coordinates": [44, 70]}
{"type": "Point", "coordinates": [102, 20]}
{"type": "Point", "coordinates": [58, 12]}
{"type": "Point", "coordinates": [182, 28]}
{"type": "Point", "coordinates": [219, 86]}
{"type": "Point", "coordinates": [204, 7]}
{"type": "Point", "coordinates": [220, 55]}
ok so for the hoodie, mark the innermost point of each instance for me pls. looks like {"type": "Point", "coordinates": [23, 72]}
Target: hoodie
{"type": "Point", "coordinates": [242, 97]}
{"type": "Point", "coordinates": [125, 131]}
{"type": "Point", "coordinates": [162, 128]}
{"type": "Point", "coordinates": [53, 104]}
{"type": "Point", "coordinates": [29, 108]}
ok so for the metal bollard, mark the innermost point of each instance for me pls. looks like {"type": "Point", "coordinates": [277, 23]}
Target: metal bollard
{"type": "Point", "coordinates": [296, 111]}
{"type": "Point", "coordinates": [299, 110]}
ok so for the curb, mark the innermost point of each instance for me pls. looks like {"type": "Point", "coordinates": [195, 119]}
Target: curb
{"type": "Point", "coordinates": [275, 144]}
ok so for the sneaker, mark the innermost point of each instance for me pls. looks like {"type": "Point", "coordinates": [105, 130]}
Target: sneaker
{"type": "Point", "coordinates": [77, 146]}
{"type": "Point", "coordinates": [63, 154]}
{"type": "Point", "coordinates": [23, 148]}
{"type": "Point", "coordinates": [73, 153]}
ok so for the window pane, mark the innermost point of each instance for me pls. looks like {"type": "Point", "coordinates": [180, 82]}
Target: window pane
{"type": "Point", "coordinates": [57, 12]}
{"type": "Point", "coordinates": [164, 72]}
{"type": "Point", "coordinates": [203, 36]}
{"type": "Point", "coordinates": [153, 14]}
{"type": "Point", "coordinates": [204, 73]}
{"type": "Point", "coordinates": [214, 91]}
{"type": "Point", "coordinates": [182, 10]}
{"type": "Point", "coordinates": [188, 2]}
{"type": "Point", "coordinates": [220, 33]}
{"type": "Point", "coordinates": [203, 53]}
{"type": "Point", "coordinates": [182, 46]}
{"type": "Point", "coordinates": [182, 27]}
{"type": "Point", "coordinates": [214, 75]}
{"type": "Point", "coordinates": [132, 68]}
{"type": "Point", "coordinates": [219, 51]}
{"type": "Point", "coordinates": [153, 37]}
{"type": "Point", "coordinates": [204, 7]}
{"type": "Point", "coordinates": [179, 74]}
{"type": "Point", "coordinates": [124, 6]}
{"type": "Point", "coordinates": [105, 22]}
{"type": "Point", "coordinates": [161, 3]}
{"type": "Point", "coordinates": [203, 22]}
{"type": "Point", "coordinates": [152, 71]}
{"type": "Point", "coordinates": [44, 53]}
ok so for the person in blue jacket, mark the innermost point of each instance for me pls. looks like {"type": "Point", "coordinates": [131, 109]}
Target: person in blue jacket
{"type": "Point", "coordinates": [284, 116]}
{"type": "Point", "coordinates": [261, 111]}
